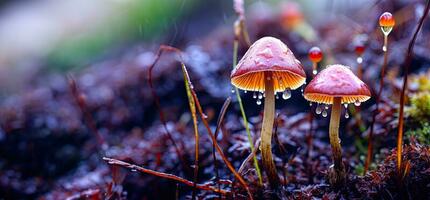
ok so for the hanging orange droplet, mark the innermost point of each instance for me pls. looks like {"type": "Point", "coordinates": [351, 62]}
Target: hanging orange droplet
{"type": "Point", "coordinates": [315, 54]}
{"type": "Point", "coordinates": [386, 20]}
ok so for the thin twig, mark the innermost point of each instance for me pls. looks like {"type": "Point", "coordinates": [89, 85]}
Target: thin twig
{"type": "Point", "coordinates": [160, 51]}
{"type": "Point", "coordinates": [130, 166]}
{"type": "Point", "coordinates": [249, 157]}
{"type": "Point", "coordinates": [406, 65]}
{"type": "Point", "coordinates": [218, 127]}
{"type": "Point", "coordinates": [88, 118]}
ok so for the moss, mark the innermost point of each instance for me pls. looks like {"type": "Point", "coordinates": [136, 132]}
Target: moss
{"type": "Point", "coordinates": [420, 107]}
{"type": "Point", "coordinates": [422, 134]}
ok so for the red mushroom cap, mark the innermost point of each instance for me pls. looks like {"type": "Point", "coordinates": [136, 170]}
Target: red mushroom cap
{"type": "Point", "coordinates": [386, 20]}
{"type": "Point", "coordinates": [336, 81]}
{"type": "Point", "coordinates": [268, 54]}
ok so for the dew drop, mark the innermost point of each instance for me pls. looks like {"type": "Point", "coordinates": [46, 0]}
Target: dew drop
{"type": "Point", "coordinates": [324, 113]}
{"type": "Point", "coordinates": [232, 90]}
{"type": "Point", "coordinates": [254, 95]}
{"type": "Point", "coordinates": [258, 101]}
{"type": "Point", "coordinates": [310, 103]}
{"type": "Point", "coordinates": [133, 170]}
{"type": "Point", "coordinates": [314, 72]}
{"type": "Point", "coordinates": [357, 103]}
{"type": "Point", "coordinates": [346, 115]}
{"type": "Point", "coordinates": [260, 96]}
{"type": "Point", "coordinates": [346, 106]}
{"type": "Point", "coordinates": [245, 91]}
{"type": "Point", "coordinates": [359, 60]}
{"type": "Point", "coordinates": [318, 110]}
{"type": "Point", "coordinates": [276, 95]}
{"type": "Point", "coordinates": [384, 48]}
{"type": "Point", "coordinates": [286, 94]}
{"type": "Point", "coordinates": [326, 106]}
{"type": "Point", "coordinates": [264, 94]}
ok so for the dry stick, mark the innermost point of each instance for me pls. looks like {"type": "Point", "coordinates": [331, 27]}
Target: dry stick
{"type": "Point", "coordinates": [89, 120]}
{"type": "Point", "coordinates": [207, 187]}
{"type": "Point", "coordinates": [240, 29]}
{"type": "Point", "coordinates": [218, 127]}
{"type": "Point", "coordinates": [249, 157]}
{"type": "Point", "coordinates": [376, 111]}
{"type": "Point", "coordinates": [160, 51]}
{"type": "Point", "coordinates": [192, 105]}
{"type": "Point", "coordinates": [224, 158]}
{"type": "Point", "coordinates": [406, 65]}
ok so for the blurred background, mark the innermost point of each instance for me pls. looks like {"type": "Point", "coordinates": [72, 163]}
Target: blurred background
{"type": "Point", "coordinates": [42, 36]}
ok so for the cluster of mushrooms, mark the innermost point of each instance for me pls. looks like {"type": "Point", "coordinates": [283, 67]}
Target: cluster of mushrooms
{"type": "Point", "coordinates": [269, 66]}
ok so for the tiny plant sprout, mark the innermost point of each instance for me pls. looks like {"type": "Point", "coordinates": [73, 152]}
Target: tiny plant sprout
{"type": "Point", "coordinates": [267, 64]}
{"type": "Point", "coordinates": [315, 55]}
{"type": "Point", "coordinates": [336, 85]}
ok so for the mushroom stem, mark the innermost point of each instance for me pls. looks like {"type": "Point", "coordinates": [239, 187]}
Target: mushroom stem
{"type": "Point", "coordinates": [339, 170]}
{"type": "Point", "coordinates": [266, 132]}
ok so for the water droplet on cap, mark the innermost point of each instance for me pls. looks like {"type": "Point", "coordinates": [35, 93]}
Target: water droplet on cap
{"type": "Point", "coordinates": [357, 103]}
{"type": "Point", "coordinates": [318, 110]}
{"type": "Point", "coordinates": [286, 94]}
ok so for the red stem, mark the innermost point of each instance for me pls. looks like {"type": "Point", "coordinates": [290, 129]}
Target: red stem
{"type": "Point", "coordinates": [376, 111]}
{"type": "Point", "coordinates": [406, 65]}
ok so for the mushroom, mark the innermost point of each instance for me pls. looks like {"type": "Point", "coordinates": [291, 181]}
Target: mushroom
{"type": "Point", "coordinates": [268, 66]}
{"type": "Point", "coordinates": [336, 85]}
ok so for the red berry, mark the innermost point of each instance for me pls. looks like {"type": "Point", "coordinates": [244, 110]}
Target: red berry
{"type": "Point", "coordinates": [315, 54]}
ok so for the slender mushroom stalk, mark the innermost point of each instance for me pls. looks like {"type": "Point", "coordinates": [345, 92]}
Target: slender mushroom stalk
{"type": "Point", "coordinates": [336, 85]}
{"type": "Point", "coordinates": [339, 169]}
{"type": "Point", "coordinates": [266, 130]}
{"type": "Point", "coordinates": [268, 66]}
